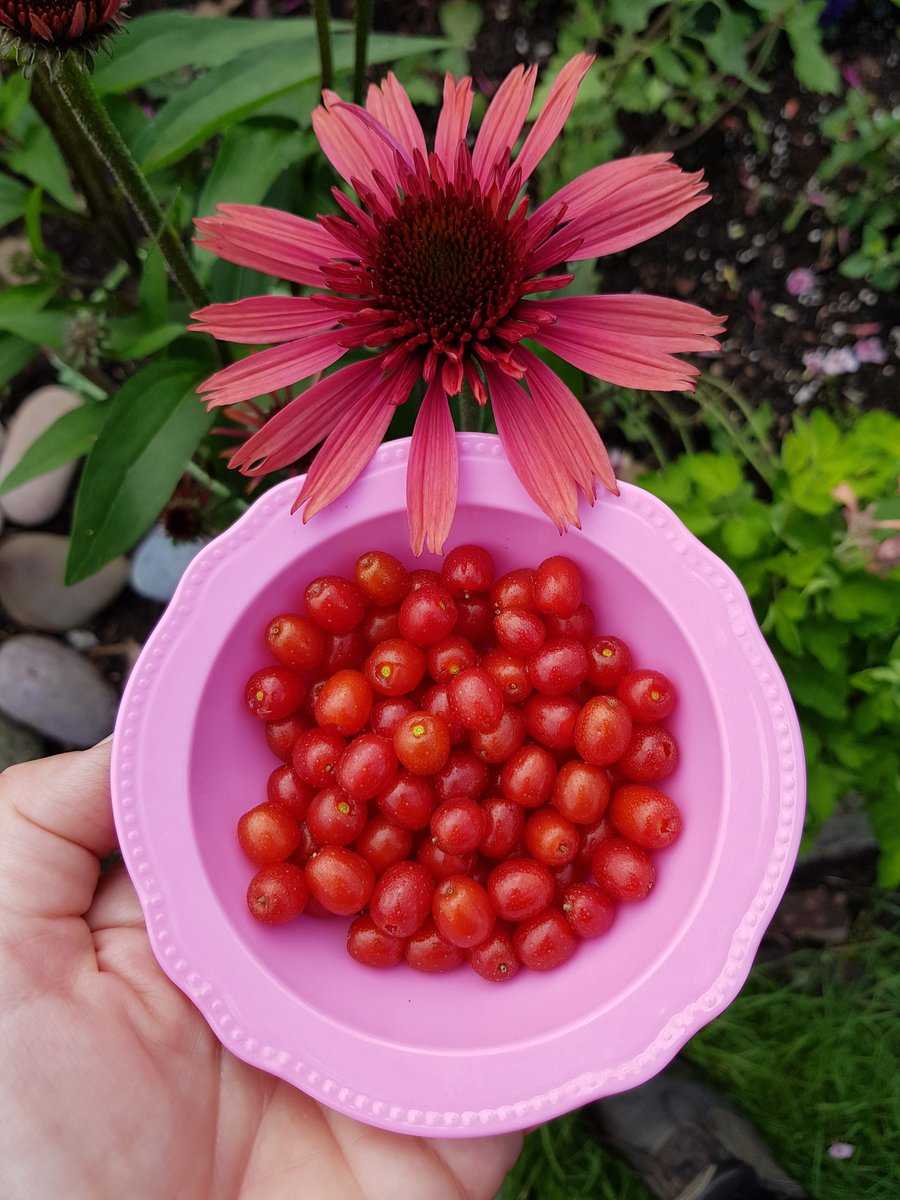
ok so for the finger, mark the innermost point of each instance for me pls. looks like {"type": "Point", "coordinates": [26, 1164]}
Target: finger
{"type": "Point", "coordinates": [115, 903]}
{"type": "Point", "coordinates": [479, 1164]}
{"type": "Point", "coordinates": [55, 823]}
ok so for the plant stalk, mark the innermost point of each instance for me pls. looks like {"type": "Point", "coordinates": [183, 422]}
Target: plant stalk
{"type": "Point", "coordinates": [323, 29]}
{"type": "Point", "coordinates": [469, 417]}
{"type": "Point", "coordinates": [360, 62]}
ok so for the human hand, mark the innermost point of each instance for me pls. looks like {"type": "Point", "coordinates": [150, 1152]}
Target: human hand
{"type": "Point", "coordinates": [112, 1084]}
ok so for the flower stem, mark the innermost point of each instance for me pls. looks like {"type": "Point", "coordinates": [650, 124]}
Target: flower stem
{"type": "Point", "coordinates": [469, 421]}
{"type": "Point", "coordinates": [109, 143]}
{"type": "Point", "coordinates": [213, 486]}
{"type": "Point", "coordinates": [323, 29]}
{"type": "Point", "coordinates": [363, 25]}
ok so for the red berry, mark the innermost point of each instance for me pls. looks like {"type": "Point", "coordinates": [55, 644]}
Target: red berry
{"type": "Point", "coordinates": [395, 667]}
{"type": "Point", "coordinates": [495, 959]}
{"type": "Point", "coordinates": [545, 941]}
{"type": "Point", "coordinates": [603, 730]}
{"type": "Point", "coordinates": [277, 893]}
{"type": "Point", "coordinates": [296, 642]}
{"type": "Point", "coordinates": [381, 578]}
{"type": "Point", "coordinates": [382, 844]}
{"type": "Point", "coordinates": [367, 766]}
{"type": "Point", "coordinates": [528, 776]}
{"type": "Point", "coordinates": [309, 704]}
{"type": "Point", "coordinates": [462, 911]}
{"type": "Point", "coordinates": [581, 793]}
{"type": "Point", "coordinates": [475, 699]}
{"type": "Point", "coordinates": [564, 877]}
{"type": "Point", "coordinates": [449, 657]}
{"type": "Point", "coordinates": [651, 755]}
{"type": "Point", "coordinates": [335, 604]}
{"type": "Point", "coordinates": [437, 702]}
{"type": "Point", "coordinates": [387, 714]}
{"type": "Point", "coordinates": [504, 822]}
{"type": "Point", "coordinates": [306, 847]}
{"type": "Point", "coordinates": [645, 816]}
{"type": "Point", "coordinates": [515, 589]}
{"type": "Point", "coordinates": [498, 744]}
{"type": "Point", "coordinates": [519, 631]}
{"type": "Point", "coordinates": [427, 951]}
{"type": "Point", "coordinates": [334, 818]}
{"type": "Point", "coordinates": [274, 693]}
{"type": "Point", "coordinates": [381, 624]}
{"type": "Point", "coordinates": [343, 650]}
{"type": "Point", "coordinates": [422, 743]}
{"type": "Point", "coordinates": [316, 755]}
{"type": "Point", "coordinates": [550, 720]}
{"type": "Point", "coordinates": [344, 703]}
{"type": "Point", "coordinates": [340, 880]}
{"type": "Point", "coordinates": [579, 626]}
{"type": "Point", "coordinates": [591, 837]}
{"type": "Point", "coordinates": [371, 946]}
{"type": "Point", "coordinates": [427, 615]}
{"type": "Point", "coordinates": [650, 695]}
{"type": "Point", "coordinates": [558, 667]}
{"type": "Point", "coordinates": [281, 735]}
{"type": "Point", "coordinates": [509, 673]}
{"type": "Point", "coordinates": [422, 577]}
{"type": "Point", "coordinates": [467, 569]}
{"type": "Point", "coordinates": [408, 802]}
{"type": "Point", "coordinates": [462, 775]}
{"type": "Point", "coordinates": [474, 617]}
{"type": "Point", "coordinates": [623, 870]}
{"type": "Point", "coordinates": [402, 899]}
{"type": "Point", "coordinates": [284, 787]}
{"type": "Point", "coordinates": [550, 838]}
{"type": "Point", "coordinates": [557, 586]}
{"type": "Point", "coordinates": [588, 910]}
{"type": "Point", "coordinates": [520, 888]}
{"type": "Point", "coordinates": [458, 826]}
{"type": "Point", "coordinates": [440, 864]}
{"type": "Point", "coordinates": [608, 660]}
{"type": "Point", "coordinates": [268, 833]}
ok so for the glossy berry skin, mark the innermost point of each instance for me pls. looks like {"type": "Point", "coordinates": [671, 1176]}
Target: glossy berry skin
{"type": "Point", "coordinates": [462, 775]}
{"type": "Point", "coordinates": [458, 826]}
{"type": "Point", "coordinates": [551, 720]}
{"type": "Point", "coordinates": [544, 941]}
{"type": "Point", "coordinates": [281, 736]}
{"type": "Point", "coordinates": [422, 743]}
{"type": "Point", "coordinates": [408, 802]}
{"type": "Point", "coordinates": [372, 947]}
{"type": "Point", "coordinates": [504, 822]}
{"type": "Point", "coordinates": [388, 713]}
{"type": "Point", "coordinates": [367, 766]}
{"type": "Point", "coordinates": [427, 951]}
{"type": "Point", "coordinates": [515, 589]}
{"type": "Point", "coordinates": [645, 816]}
{"type": "Point", "coordinates": [380, 624]}
{"type": "Point", "coordinates": [427, 615]}
{"type": "Point", "coordinates": [591, 837]}
{"type": "Point", "coordinates": [268, 834]}
{"type": "Point", "coordinates": [550, 838]}
{"type": "Point", "coordinates": [495, 959]}
{"type": "Point", "coordinates": [519, 631]}
{"type": "Point", "coordinates": [343, 650]}
{"type": "Point", "coordinates": [422, 577]}
{"type": "Point", "coordinates": [603, 730]}
{"type": "Point", "coordinates": [382, 579]}
{"type": "Point", "coordinates": [467, 569]}
{"type": "Point", "coordinates": [341, 880]}
{"type": "Point", "coordinates": [308, 708]}
{"type": "Point", "coordinates": [274, 693]}
{"type": "Point", "coordinates": [335, 603]}
{"type": "Point", "coordinates": [649, 695]}
{"type": "Point", "coordinates": [436, 700]}
{"type": "Point", "coordinates": [334, 818]}
{"type": "Point", "coordinates": [441, 865]}
{"type": "Point", "coordinates": [651, 755]}
{"type": "Point", "coordinates": [277, 893]}
{"type": "Point", "coordinates": [528, 776]}
{"type": "Point", "coordinates": [382, 844]}
{"type": "Point", "coordinates": [344, 703]}
{"type": "Point", "coordinates": [462, 911]}
{"type": "Point", "coordinates": [306, 847]}
{"type": "Point", "coordinates": [520, 888]}
{"type": "Point", "coordinates": [475, 699]}
{"type": "Point", "coordinates": [474, 617]}
{"type": "Point", "coordinates": [558, 667]}
{"type": "Point", "coordinates": [608, 660]}
{"type": "Point", "coordinates": [401, 900]}
{"type": "Point", "coordinates": [557, 586]}
{"type": "Point", "coordinates": [565, 876]}
{"type": "Point", "coordinates": [316, 755]}
{"type": "Point", "coordinates": [499, 743]}
{"type": "Point", "coordinates": [624, 871]}
{"type": "Point", "coordinates": [449, 657]}
{"type": "Point", "coordinates": [296, 642]}
{"type": "Point", "coordinates": [395, 667]}
{"type": "Point", "coordinates": [581, 792]}
{"type": "Point", "coordinates": [579, 626]}
{"type": "Point", "coordinates": [588, 909]}
{"type": "Point", "coordinates": [510, 674]}
{"type": "Point", "coordinates": [284, 787]}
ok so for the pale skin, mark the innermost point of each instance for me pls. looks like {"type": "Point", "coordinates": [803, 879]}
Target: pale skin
{"type": "Point", "coordinates": [112, 1084]}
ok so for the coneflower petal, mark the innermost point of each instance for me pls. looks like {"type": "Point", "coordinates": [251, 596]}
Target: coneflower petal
{"type": "Point", "coordinates": [554, 114]}
{"type": "Point", "coordinates": [503, 123]}
{"type": "Point", "coordinates": [269, 370]}
{"type": "Point", "coordinates": [270, 319]}
{"type": "Point", "coordinates": [453, 122]}
{"type": "Point", "coordinates": [390, 105]}
{"type": "Point", "coordinates": [432, 473]}
{"type": "Point", "coordinates": [355, 143]}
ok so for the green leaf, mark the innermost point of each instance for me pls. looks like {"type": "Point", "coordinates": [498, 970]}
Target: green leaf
{"type": "Point", "coordinates": [726, 45]}
{"type": "Point", "coordinates": [38, 158]}
{"type": "Point", "coordinates": [15, 354]}
{"type": "Point", "coordinates": [250, 159]}
{"type": "Point", "coordinates": [812, 66]}
{"type": "Point", "coordinates": [153, 290]}
{"type": "Point", "coordinates": [132, 338]}
{"type": "Point", "coordinates": [154, 424]}
{"type": "Point", "coordinates": [632, 15]}
{"type": "Point", "coordinates": [864, 597]}
{"type": "Point", "coordinates": [13, 198]}
{"type": "Point", "coordinates": [827, 643]}
{"type": "Point", "coordinates": [460, 20]}
{"type": "Point", "coordinates": [45, 328]}
{"type": "Point", "coordinates": [69, 437]}
{"type": "Point", "coordinates": [746, 534]}
{"type": "Point", "coordinates": [823, 691]}
{"type": "Point", "coordinates": [824, 787]}
{"type": "Point", "coordinates": [716, 475]}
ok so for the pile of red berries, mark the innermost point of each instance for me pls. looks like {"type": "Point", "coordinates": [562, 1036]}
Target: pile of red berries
{"type": "Point", "coordinates": [468, 769]}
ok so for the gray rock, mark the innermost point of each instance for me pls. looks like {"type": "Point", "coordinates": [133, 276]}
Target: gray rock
{"type": "Point", "coordinates": [39, 499]}
{"type": "Point", "coordinates": [51, 688]}
{"type": "Point", "coordinates": [17, 744]}
{"type": "Point", "coordinates": [159, 564]}
{"type": "Point", "coordinates": [32, 588]}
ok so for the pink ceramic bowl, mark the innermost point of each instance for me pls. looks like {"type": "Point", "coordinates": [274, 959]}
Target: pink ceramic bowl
{"type": "Point", "coordinates": [453, 1055]}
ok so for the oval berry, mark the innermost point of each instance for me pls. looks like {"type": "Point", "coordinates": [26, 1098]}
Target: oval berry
{"type": "Point", "coordinates": [603, 730]}
{"type": "Point", "coordinates": [474, 617]}
{"type": "Point", "coordinates": [334, 818]}
{"type": "Point", "coordinates": [550, 720]}
{"type": "Point", "coordinates": [588, 909]}
{"type": "Point", "coordinates": [281, 736]}
{"type": "Point", "coordinates": [449, 657]}
{"type": "Point", "coordinates": [550, 838]}
{"type": "Point", "coordinates": [277, 893]}
{"type": "Point", "coordinates": [382, 843]}
{"type": "Point", "coordinates": [462, 775]}
{"type": "Point", "coordinates": [581, 792]}
{"type": "Point", "coordinates": [544, 941]}
{"type": "Point", "coordinates": [422, 743]}
{"type": "Point", "coordinates": [558, 667]}
{"type": "Point", "coordinates": [608, 660]}
{"type": "Point", "coordinates": [645, 816]}
{"type": "Point", "coordinates": [510, 674]}
{"type": "Point", "coordinates": [623, 870]}
{"type": "Point", "coordinates": [520, 888]}
{"type": "Point", "coordinates": [408, 802]}
{"type": "Point", "coordinates": [344, 703]}
{"type": "Point", "coordinates": [528, 776]}
{"type": "Point", "coordinates": [334, 603]}
{"type": "Point", "coordinates": [649, 695]}
{"type": "Point", "coordinates": [441, 865]}
{"type": "Point", "coordinates": [367, 766]}
{"type": "Point", "coordinates": [475, 699]}
{"type": "Point", "coordinates": [495, 959]}
{"type": "Point", "coordinates": [296, 642]}
{"type": "Point", "coordinates": [316, 755]}
{"type": "Point", "coordinates": [427, 615]}
{"type": "Point", "coordinates": [268, 834]}
{"type": "Point", "coordinates": [402, 899]}
{"type": "Point", "coordinates": [427, 951]}
{"type": "Point", "coordinates": [341, 880]}
{"type": "Point", "coordinates": [519, 631]}
{"type": "Point", "coordinates": [462, 911]}
{"type": "Point", "coordinates": [274, 693]}
{"type": "Point", "coordinates": [380, 625]}
{"type": "Point", "coordinates": [651, 755]}
{"type": "Point", "coordinates": [395, 667]}
{"type": "Point", "coordinates": [284, 787]}
{"type": "Point", "coordinates": [557, 586]}
{"type": "Point", "coordinates": [497, 744]}
{"type": "Point", "coordinates": [388, 713]}
{"type": "Point", "coordinates": [515, 589]}
{"type": "Point", "coordinates": [504, 822]}
{"type": "Point", "coordinates": [382, 579]}
{"type": "Point", "coordinates": [458, 826]}
{"type": "Point", "coordinates": [373, 947]}
{"type": "Point", "coordinates": [467, 569]}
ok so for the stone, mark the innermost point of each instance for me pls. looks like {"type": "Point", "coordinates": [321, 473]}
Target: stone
{"type": "Point", "coordinates": [32, 588]}
{"type": "Point", "coordinates": [159, 564]}
{"type": "Point", "coordinates": [49, 687]}
{"type": "Point", "coordinates": [17, 744]}
{"type": "Point", "coordinates": [40, 499]}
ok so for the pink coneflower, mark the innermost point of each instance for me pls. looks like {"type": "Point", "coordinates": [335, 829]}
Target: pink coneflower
{"type": "Point", "coordinates": [433, 270]}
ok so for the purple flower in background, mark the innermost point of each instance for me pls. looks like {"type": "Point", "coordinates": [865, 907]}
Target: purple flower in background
{"type": "Point", "coordinates": [801, 281]}
{"type": "Point", "coordinates": [840, 1150]}
{"type": "Point", "coordinates": [870, 350]}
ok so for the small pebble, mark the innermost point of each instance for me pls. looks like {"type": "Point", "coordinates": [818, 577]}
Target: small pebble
{"type": "Point", "coordinates": [159, 564]}
{"type": "Point", "coordinates": [32, 587]}
{"type": "Point", "coordinates": [41, 498]}
{"type": "Point", "coordinates": [47, 686]}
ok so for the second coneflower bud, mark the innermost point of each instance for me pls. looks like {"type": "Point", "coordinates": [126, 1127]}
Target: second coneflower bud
{"type": "Point", "coordinates": [49, 28]}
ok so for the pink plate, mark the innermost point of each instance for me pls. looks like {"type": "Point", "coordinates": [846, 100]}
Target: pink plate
{"type": "Point", "coordinates": [453, 1055]}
